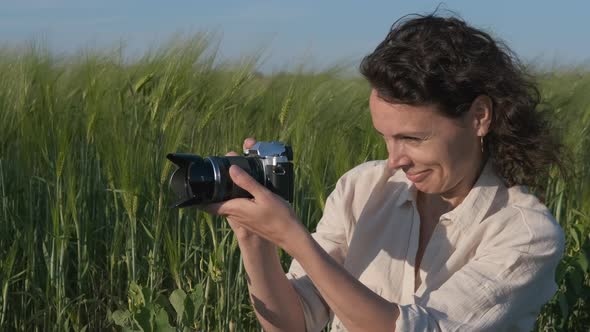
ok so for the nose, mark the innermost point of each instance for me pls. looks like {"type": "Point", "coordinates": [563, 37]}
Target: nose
{"type": "Point", "coordinates": [397, 158]}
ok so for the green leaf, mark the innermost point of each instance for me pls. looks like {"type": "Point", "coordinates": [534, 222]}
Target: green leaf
{"type": "Point", "coordinates": [575, 235]}
{"type": "Point", "coordinates": [161, 320]}
{"type": "Point", "coordinates": [143, 318]}
{"type": "Point", "coordinates": [177, 300]}
{"type": "Point", "coordinates": [135, 294]}
{"type": "Point", "coordinates": [196, 296]}
{"type": "Point", "coordinates": [561, 272]}
{"type": "Point", "coordinates": [121, 317]}
{"type": "Point", "coordinates": [147, 231]}
{"type": "Point", "coordinates": [127, 329]}
{"type": "Point", "coordinates": [189, 312]}
{"type": "Point", "coordinates": [563, 306]}
{"type": "Point", "coordinates": [575, 279]}
{"type": "Point", "coordinates": [147, 294]}
{"type": "Point", "coordinates": [582, 261]}
{"type": "Point", "coordinates": [138, 86]}
{"type": "Point", "coordinates": [192, 304]}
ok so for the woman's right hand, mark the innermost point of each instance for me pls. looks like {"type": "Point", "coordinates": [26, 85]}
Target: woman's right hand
{"type": "Point", "coordinates": [244, 236]}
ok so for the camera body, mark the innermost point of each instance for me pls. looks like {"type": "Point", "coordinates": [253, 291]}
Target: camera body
{"type": "Point", "coordinates": [206, 180]}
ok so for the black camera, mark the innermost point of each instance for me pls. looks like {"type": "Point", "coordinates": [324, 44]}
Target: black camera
{"type": "Point", "coordinates": [206, 180]}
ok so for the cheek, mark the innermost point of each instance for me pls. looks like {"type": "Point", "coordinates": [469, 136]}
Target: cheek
{"type": "Point", "coordinates": [430, 155]}
{"type": "Point", "coordinates": [463, 152]}
{"type": "Point", "coordinates": [454, 160]}
{"type": "Point", "coordinates": [439, 158]}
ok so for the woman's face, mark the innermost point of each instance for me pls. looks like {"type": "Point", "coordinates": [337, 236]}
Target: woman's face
{"type": "Point", "coordinates": [438, 154]}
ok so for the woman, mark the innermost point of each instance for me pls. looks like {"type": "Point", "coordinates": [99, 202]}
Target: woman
{"type": "Point", "coordinates": [443, 235]}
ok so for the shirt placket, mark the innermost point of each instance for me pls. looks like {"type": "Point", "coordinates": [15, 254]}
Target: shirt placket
{"type": "Point", "coordinates": [409, 278]}
{"type": "Point", "coordinates": [436, 251]}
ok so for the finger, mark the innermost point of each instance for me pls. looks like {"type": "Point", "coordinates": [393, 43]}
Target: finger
{"type": "Point", "coordinates": [246, 182]}
{"type": "Point", "coordinates": [248, 143]}
{"type": "Point", "coordinates": [224, 208]}
{"type": "Point", "coordinates": [232, 153]}
{"type": "Point", "coordinates": [211, 208]}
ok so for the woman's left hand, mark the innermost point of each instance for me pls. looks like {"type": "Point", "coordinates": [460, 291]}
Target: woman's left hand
{"type": "Point", "coordinates": [266, 214]}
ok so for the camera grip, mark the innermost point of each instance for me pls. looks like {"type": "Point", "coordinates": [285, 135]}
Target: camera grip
{"type": "Point", "coordinates": [280, 180]}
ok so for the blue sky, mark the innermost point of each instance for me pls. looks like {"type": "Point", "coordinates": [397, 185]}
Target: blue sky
{"type": "Point", "coordinates": [288, 33]}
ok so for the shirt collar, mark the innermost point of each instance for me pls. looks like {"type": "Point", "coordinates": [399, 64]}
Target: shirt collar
{"type": "Point", "coordinates": [475, 205]}
{"type": "Point", "coordinates": [407, 191]}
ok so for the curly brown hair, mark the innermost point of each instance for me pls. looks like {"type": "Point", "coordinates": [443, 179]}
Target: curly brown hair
{"type": "Point", "coordinates": [432, 60]}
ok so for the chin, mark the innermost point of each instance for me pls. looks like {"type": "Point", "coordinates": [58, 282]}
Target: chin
{"type": "Point", "coordinates": [428, 189]}
{"type": "Point", "coordinates": [423, 188]}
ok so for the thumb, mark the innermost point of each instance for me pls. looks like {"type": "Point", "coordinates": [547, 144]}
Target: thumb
{"type": "Point", "coordinates": [246, 182]}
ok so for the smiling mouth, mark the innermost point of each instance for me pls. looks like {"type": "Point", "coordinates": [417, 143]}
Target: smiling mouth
{"type": "Point", "coordinates": [417, 177]}
{"type": "Point", "coordinates": [415, 173]}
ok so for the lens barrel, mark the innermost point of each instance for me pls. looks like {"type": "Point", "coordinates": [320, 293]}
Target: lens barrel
{"type": "Point", "coordinates": [206, 180]}
{"type": "Point", "coordinates": [225, 188]}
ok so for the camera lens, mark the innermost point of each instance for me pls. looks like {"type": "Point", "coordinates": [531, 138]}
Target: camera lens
{"type": "Point", "coordinates": [225, 188]}
{"type": "Point", "coordinates": [201, 181]}
{"type": "Point", "coordinates": [193, 182]}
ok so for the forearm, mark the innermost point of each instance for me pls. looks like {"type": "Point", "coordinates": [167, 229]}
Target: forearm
{"type": "Point", "coordinates": [274, 299]}
{"type": "Point", "coordinates": [356, 306]}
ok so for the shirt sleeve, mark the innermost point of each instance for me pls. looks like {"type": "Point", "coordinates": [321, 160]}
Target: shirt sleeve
{"type": "Point", "coordinates": [331, 235]}
{"type": "Point", "coordinates": [508, 279]}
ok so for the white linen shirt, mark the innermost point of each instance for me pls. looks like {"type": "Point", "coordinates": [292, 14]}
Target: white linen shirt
{"type": "Point", "coordinates": [489, 265]}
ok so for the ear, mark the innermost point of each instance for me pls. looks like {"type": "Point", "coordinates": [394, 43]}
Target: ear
{"type": "Point", "coordinates": [481, 110]}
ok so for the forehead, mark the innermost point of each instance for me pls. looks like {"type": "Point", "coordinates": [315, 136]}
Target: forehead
{"type": "Point", "coordinates": [391, 119]}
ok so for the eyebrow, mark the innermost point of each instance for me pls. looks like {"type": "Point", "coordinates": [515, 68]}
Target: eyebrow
{"type": "Point", "coordinates": [414, 134]}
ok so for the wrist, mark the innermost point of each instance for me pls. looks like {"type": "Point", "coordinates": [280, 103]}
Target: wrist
{"type": "Point", "coordinates": [255, 242]}
{"type": "Point", "coordinates": [296, 240]}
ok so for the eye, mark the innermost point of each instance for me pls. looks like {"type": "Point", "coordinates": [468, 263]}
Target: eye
{"type": "Point", "coordinates": [411, 138]}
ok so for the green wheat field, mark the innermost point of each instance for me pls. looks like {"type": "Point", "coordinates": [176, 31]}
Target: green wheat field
{"type": "Point", "coordinates": [87, 241]}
